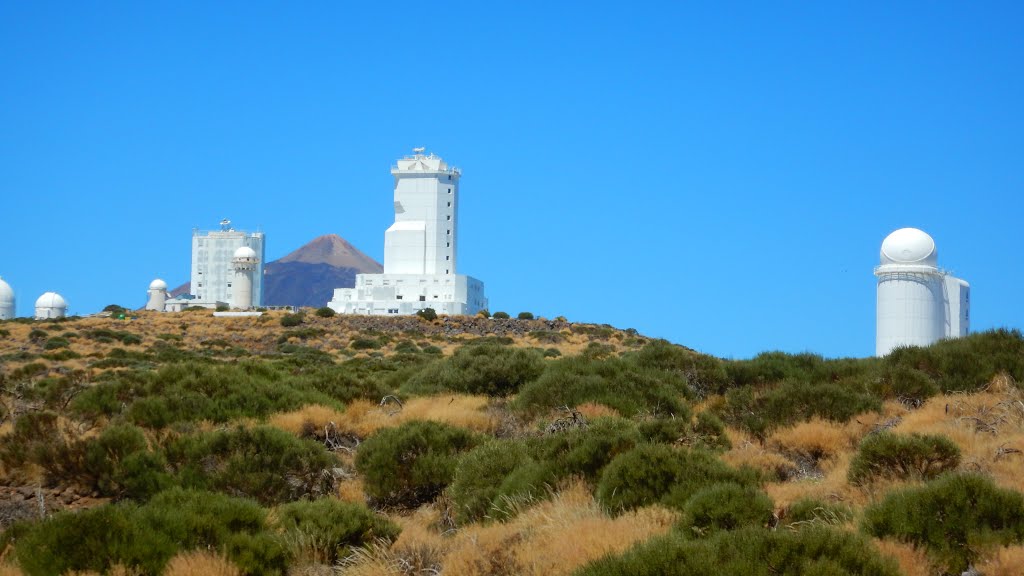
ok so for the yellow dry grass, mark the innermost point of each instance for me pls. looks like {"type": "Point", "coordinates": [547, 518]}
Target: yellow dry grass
{"type": "Point", "coordinates": [351, 490]}
{"type": "Point", "coordinates": [363, 417]}
{"type": "Point", "coordinates": [815, 439]}
{"type": "Point", "coordinates": [314, 415]}
{"type": "Point", "coordinates": [1007, 561]}
{"type": "Point", "coordinates": [594, 410]}
{"type": "Point", "coordinates": [912, 561]}
{"type": "Point", "coordinates": [200, 563]}
{"type": "Point", "coordinates": [9, 570]}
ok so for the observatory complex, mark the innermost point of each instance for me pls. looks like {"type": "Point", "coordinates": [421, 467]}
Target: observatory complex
{"type": "Point", "coordinates": [420, 249]}
{"type": "Point", "coordinates": [918, 302]}
{"type": "Point", "coordinates": [6, 301]}
{"type": "Point", "coordinates": [50, 305]}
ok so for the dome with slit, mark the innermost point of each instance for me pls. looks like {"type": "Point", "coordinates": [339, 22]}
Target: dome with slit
{"type": "Point", "coordinates": [51, 300]}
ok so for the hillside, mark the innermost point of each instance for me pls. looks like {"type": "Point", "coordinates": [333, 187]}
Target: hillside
{"type": "Point", "coordinates": [184, 444]}
{"type": "Point", "coordinates": [308, 275]}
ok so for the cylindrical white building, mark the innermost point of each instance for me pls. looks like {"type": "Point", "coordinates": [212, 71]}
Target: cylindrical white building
{"type": "Point", "coordinates": [50, 305]}
{"type": "Point", "coordinates": [157, 295]}
{"type": "Point", "coordinates": [245, 263]}
{"type": "Point", "coordinates": [6, 301]}
{"type": "Point", "coordinates": [915, 304]}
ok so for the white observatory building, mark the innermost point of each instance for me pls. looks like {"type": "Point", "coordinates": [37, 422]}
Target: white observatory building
{"type": "Point", "coordinates": [157, 295]}
{"type": "Point", "coordinates": [245, 264]}
{"type": "Point", "coordinates": [6, 301]}
{"type": "Point", "coordinates": [51, 305]}
{"type": "Point", "coordinates": [420, 249]}
{"type": "Point", "coordinates": [918, 302]}
{"type": "Point", "coordinates": [213, 267]}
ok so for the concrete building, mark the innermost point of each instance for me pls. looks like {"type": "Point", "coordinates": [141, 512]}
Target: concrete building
{"type": "Point", "coordinates": [50, 305]}
{"type": "Point", "coordinates": [213, 271]}
{"type": "Point", "coordinates": [420, 249]}
{"type": "Point", "coordinates": [157, 295]}
{"type": "Point", "coordinates": [7, 310]}
{"type": "Point", "coordinates": [918, 302]}
{"type": "Point", "coordinates": [245, 263]}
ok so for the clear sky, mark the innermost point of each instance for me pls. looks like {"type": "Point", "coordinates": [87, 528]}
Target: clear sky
{"type": "Point", "coordinates": [718, 174]}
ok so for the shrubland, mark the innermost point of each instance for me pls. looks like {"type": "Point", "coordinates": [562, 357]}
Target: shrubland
{"type": "Point", "coordinates": [308, 442]}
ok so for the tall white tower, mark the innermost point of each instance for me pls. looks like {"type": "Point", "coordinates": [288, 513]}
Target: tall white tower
{"type": "Point", "coordinates": [245, 263]}
{"type": "Point", "coordinates": [7, 310]}
{"type": "Point", "coordinates": [918, 302]}
{"type": "Point", "coordinates": [212, 267]}
{"type": "Point", "coordinates": [157, 295]}
{"type": "Point", "coordinates": [50, 305]}
{"type": "Point", "coordinates": [423, 238]}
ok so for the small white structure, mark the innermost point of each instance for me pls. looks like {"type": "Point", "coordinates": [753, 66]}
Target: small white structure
{"type": "Point", "coordinates": [245, 263]}
{"type": "Point", "coordinates": [918, 302]}
{"type": "Point", "coordinates": [157, 295]}
{"type": "Point", "coordinates": [213, 270]}
{"type": "Point", "coordinates": [419, 249]}
{"type": "Point", "coordinates": [6, 301]}
{"type": "Point", "coordinates": [51, 305]}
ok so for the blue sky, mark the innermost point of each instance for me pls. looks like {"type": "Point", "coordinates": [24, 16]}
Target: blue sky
{"type": "Point", "coordinates": [718, 174]}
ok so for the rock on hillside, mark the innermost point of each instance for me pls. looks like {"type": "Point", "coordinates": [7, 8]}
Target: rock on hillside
{"type": "Point", "coordinates": [309, 275]}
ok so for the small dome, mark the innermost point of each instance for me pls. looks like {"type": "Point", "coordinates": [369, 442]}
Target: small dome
{"type": "Point", "coordinates": [158, 284]}
{"type": "Point", "coordinates": [6, 293]}
{"type": "Point", "coordinates": [909, 246]}
{"type": "Point", "coordinates": [51, 300]}
{"type": "Point", "coordinates": [245, 252]}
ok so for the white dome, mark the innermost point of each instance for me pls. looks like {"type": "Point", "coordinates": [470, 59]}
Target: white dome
{"type": "Point", "coordinates": [909, 246]}
{"type": "Point", "coordinates": [245, 252]}
{"type": "Point", "coordinates": [6, 293]}
{"type": "Point", "coordinates": [51, 300]}
{"type": "Point", "coordinates": [158, 284]}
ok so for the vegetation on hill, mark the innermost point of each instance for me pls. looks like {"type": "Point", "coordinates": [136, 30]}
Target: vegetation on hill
{"type": "Point", "coordinates": [182, 443]}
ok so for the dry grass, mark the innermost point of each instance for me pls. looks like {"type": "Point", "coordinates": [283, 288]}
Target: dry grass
{"type": "Point", "coordinates": [297, 421]}
{"type": "Point", "coordinates": [815, 439]}
{"type": "Point", "coordinates": [912, 561]}
{"type": "Point", "coordinates": [351, 490]}
{"type": "Point", "coordinates": [10, 570]}
{"type": "Point", "coordinates": [363, 417]}
{"type": "Point", "coordinates": [201, 563]}
{"type": "Point", "coordinates": [1007, 561]}
{"type": "Point", "coordinates": [552, 537]}
{"type": "Point", "coordinates": [593, 410]}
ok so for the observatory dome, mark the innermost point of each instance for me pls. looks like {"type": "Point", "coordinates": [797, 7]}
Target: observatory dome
{"type": "Point", "coordinates": [51, 300]}
{"type": "Point", "coordinates": [909, 246]}
{"type": "Point", "coordinates": [6, 293]}
{"type": "Point", "coordinates": [245, 252]}
{"type": "Point", "coordinates": [158, 284]}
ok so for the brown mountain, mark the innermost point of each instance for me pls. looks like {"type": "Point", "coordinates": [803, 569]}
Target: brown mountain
{"type": "Point", "coordinates": [309, 275]}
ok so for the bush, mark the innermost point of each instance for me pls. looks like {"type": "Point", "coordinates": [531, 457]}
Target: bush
{"type": "Point", "coordinates": [479, 369]}
{"type": "Point", "coordinates": [586, 451]}
{"type": "Point", "coordinates": [750, 552]}
{"type": "Point", "coordinates": [525, 316]}
{"type": "Point", "coordinates": [427, 314]}
{"type": "Point", "coordinates": [726, 507]}
{"type": "Point", "coordinates": [704, 374]}
{"type": "Point", "coordinates": [486, 475]}
{"type": "Point", "coordinates": [485, 313]}
{"type": "Point", "coordinates": [903, 456]}
{"type": "Point", "coordinates": [292, 320]}
{"type": "Point", "coordinates": [222, 308]}
{"type": "Point", "coordinates": [266, 464]}
{"type": "Point", "coordinates": [761, 411]}
{"type": "Point", "coordinates": [618, 384]}
{"type": "Point", "coordinates": [655, 473]}
{"type": "Point", "coordinates": [55, 343]}
{"type": "Point", "coordinates": [501, 315]}
{"type": "Point", "coordinates": [808, 511]}
{"type": "Point", "coordinates": [325, 312]}
{"type": "Point", "coordinates": [957, 517]}
{"type": "Point", "coordinates": [325, 530]}
{"type": "Point", "coordinates": [365, 344]}
{"type": "Point", "coordinates": [412, 463]}
{"type": "Point", "coordinates": [116, 464]}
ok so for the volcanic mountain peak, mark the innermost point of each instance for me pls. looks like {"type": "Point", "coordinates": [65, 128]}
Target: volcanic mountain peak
{"type": "Point", "coordinates": [336, 251]}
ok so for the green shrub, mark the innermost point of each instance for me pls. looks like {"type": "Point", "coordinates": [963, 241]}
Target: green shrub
{"type": "Point", "coordinates": [525, 316]}
{"type": "Point", "coordinates": [552, 353]}
{"type": "Point", "coordinates": [484, 313]}
{"type": "Point", "coordinates": [725, 507]}
{"type": "Point", "coordinates": [479, 369]}
{"type": "Point", "coordinates": [262, 463]}
{"type": "Point", "coordinates": [428, 314]}
{"type": "Point", "coordinates": [709, 432]}
{"type": "Point", "coordinates": [117, 464]}
{"type": "Point", "coordinates": [325, 312]}
{"type": "Point", "coordinates": [55, 343]}
{"type": "Point", "coordinates": [704, 374]}
{"type": "Point", "coordinates": [613, 382]}
{"type": "Point", "coordinates": [501, 315]}
{"type": "Point", "coordinates": [365, 344]}
{"type": "Point", "coordinates": [412, 463]}
{"type": "Point", "coordinates": [903, 456]}
{"type": "Point", "coordinates": [812, 512]}
{"type": "Point", "coordinates": [966, 364]}
{"type": "Point", "coordinates": [293, 320]}
{"type": "Point", "coordinates": [325, 530]}
{"type": "Point", "coordinates": [656, 473]}
{"type": "Point", "coordinates": [407, 347]}
{"type": "Point", "coordinates": [957, 517]}
{"type": "Point", "coordinates": [487, 474]}
{"type": "Point", "coordinates": [586, 451]}
{"type": "Point", "coordinates": [761, 411]}
{"type": "Point", "coordinates": [904, 383]}
{"type": "Point", "coordinates": [750, 552]}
